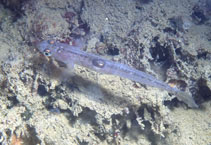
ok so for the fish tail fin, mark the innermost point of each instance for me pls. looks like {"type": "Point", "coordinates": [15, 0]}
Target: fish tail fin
{"type": "Point", "coordinates": [186, 98]}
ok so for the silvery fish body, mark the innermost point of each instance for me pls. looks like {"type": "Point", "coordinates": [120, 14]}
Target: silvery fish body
{"type": "Point", "coordinates": [71, 55]}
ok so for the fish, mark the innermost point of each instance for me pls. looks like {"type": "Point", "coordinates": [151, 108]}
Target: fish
{"type": "Point", "coordinates": [72, 54]}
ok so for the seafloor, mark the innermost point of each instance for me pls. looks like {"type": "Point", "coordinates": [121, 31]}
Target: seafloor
{"type": "Point", "coordinates": [43, 103]}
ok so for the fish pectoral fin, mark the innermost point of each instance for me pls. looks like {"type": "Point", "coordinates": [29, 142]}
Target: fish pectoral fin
{"type": "Point", "coordinates": [70, 66]}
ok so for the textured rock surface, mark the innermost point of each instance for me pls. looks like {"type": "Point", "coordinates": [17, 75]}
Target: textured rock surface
{"type": "Point", "coordinates": [43, 103]}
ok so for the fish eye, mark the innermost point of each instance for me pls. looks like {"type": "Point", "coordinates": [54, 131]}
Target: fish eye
{"type": "Point", "coordinates": [47, 52]}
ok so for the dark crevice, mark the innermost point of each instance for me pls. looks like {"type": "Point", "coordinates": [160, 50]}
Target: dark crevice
{"type": "Point", "coordinates": [145, 1]}
{"type": "Point", "coordinates": [15, 6]}
{"type": "Point", "coordinates": [152, 137]}
{"type": "Point", "coordinates": [202, 55]}
{"type": "Point", "coordinates": [26, 115]}
{"type": "Point", "coordinates": [113, 51]}
{"type": "Point", "coordinates": [204, 92]}
{"type": "Point", "coordinates": [14, 101]}
{"type": "Point", "coordinates": [170, 30]}
{"type": "Point", "coordinates": [32, 138]}
{"type": "Point", "coordinates": [161, 54]}
{"type": "Point", "coordinates": [88, 116]}
{"type": "Point", "coordinates": [198, 15]}
{"type": "Point", "coordinates": [171, 104]}
{"type": "Point", "coordinates": [41, 90]}
{"type": "Point", "coordinates": [162, 58]}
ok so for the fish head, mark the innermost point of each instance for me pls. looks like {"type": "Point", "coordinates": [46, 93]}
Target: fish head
{"type": "Point", "coordinates": [48, 47]}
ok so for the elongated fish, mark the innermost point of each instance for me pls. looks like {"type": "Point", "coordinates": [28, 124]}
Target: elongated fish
{"type": "Point", "coordinates": [71, 55]}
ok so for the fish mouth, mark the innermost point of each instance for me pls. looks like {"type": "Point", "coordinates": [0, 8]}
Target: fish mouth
{"type": "Point", "coordinates": [41, 45]}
